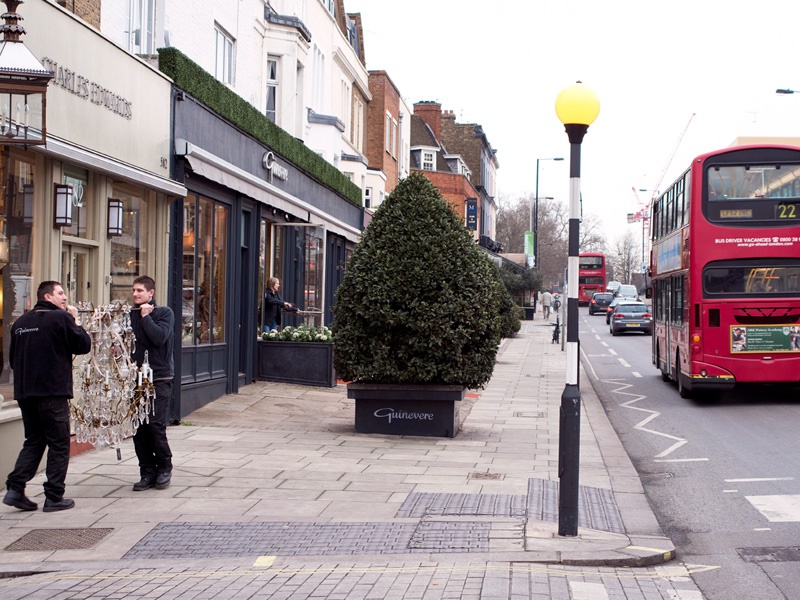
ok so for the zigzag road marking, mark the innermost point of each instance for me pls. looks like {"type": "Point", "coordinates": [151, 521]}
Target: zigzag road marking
{"type": "Point", "coordinates": [652, 414]}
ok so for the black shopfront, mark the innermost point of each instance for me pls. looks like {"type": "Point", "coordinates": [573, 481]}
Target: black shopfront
{"type": "Point", "coordinates": [248, 215]}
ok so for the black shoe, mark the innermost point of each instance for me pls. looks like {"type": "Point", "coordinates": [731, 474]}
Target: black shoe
{"type": "Point", "coordinates": [19, 500]}
{"type": "Point", "coordinates": [145, 483]}
{"type": "Point", "coordinates": [162, 480]}
{"type": "Point", "coordinates": [55, 505]}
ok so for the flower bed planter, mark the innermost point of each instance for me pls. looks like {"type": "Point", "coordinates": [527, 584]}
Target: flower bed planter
{"type": "Point", "coordinates": [427, 410]}
{"type": "Point", "coordinates": [305, 363]}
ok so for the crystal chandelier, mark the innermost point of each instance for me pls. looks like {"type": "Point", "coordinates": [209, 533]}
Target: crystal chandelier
{"type": "Point", "coordinates": [115, 395]}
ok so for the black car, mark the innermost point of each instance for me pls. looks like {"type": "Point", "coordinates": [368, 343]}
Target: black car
{"type": "Point", "coordinates": [599, 302]}
{"type": "Point", "coordinates": [631, 316]}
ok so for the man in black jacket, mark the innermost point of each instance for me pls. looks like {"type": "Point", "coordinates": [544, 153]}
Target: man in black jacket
{"type": "Point", "coordinates": [154, 328]}
{"type": "Point", "coordinates": [42, 344]}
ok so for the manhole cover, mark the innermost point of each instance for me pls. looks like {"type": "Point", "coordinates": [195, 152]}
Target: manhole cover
{"type": "Point", "coordinates": [485, 476]}
{"type": "Point", "coordinates": [59, 539]}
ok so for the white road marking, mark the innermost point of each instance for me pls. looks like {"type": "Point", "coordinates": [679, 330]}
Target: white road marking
{"type": "Point", "coordinates": [597, 337]}
{"type": "Point", "coordinates": [653, 414]}
{"type": "Point", "coordinates": [612, 352]}
{"type": "Point", "coordinates": [763, 529]}
{"type": "Point", "coordinates": [757, 479]}
{"type": "Point", "coordinates": [730, 491]}
{"type": "Point", "coordinates": [582, 590]}
{"type": "Point", "coordinates": [677, 460]}
{"type": "Point", "coordinates": [778, 509]}
{"type": "Point", "coordinates": [636, 374]}
{"type": "Point", "coordinates": [604, 344]}
{"type": "Point", "coordinates": [623, 363]}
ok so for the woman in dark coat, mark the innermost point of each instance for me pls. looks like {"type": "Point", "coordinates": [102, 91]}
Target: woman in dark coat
{"type": "Point", "coordinates": [273, 304]}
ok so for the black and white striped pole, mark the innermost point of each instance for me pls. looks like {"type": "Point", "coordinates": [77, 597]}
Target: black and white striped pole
{"type": "Point", "coordinates": [577, 107]}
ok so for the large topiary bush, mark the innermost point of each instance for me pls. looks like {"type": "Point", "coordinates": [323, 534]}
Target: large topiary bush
{"type": "Point", "coordinates": [419, 303]}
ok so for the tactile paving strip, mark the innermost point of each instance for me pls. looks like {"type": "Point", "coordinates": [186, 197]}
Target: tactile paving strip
{"type": "Point", "coordinates": [207, 540]}
{"type": "Point", "coordinates": [58, 539]}
{"type": "Point", "coordinates": [451, 536]}
{"type": "Point", "coordinates": [418, 505]}
{"type": "Point", "coordinates": [597, 508]}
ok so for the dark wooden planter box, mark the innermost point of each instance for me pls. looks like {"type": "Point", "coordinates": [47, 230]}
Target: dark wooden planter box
{"type": "Point", "coordinates": [430, 410]}
{"type": "Point", "coordinates": [305, 363]}
{"type": "Point", "coordinates": [529, 312]}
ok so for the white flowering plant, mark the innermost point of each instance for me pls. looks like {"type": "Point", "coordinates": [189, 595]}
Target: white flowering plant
{"type": "Point", "coordinates": [303, 333]}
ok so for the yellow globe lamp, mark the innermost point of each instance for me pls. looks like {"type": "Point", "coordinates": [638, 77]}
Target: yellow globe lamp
{"type": "Point", "coordinates": [577, 104]}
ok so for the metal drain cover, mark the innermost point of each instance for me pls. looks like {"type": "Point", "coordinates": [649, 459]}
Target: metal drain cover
{"type": "Point", "coordinates": [59, 539]}
{"type": "Point", "coordinates": [770, 554]}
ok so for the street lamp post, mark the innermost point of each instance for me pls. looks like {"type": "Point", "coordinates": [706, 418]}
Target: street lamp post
{"type": "Point", "coordinates": [534, 221]}
{"type": "Point", "coordinates": [577, 107]}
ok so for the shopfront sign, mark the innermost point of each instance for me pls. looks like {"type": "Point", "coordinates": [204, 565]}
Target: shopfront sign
{"type": "Point", "coordinates": [102, 99]}
{"type": "Point", "coordinates": [83, 87]}
{"type": "Point", "coordinates": [275, 170]}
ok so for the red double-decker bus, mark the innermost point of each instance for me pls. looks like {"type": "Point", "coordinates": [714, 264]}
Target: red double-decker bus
{"type": "Point", "coordinates": [725, 270]}
{"type": "Point", "coordinates": [591, 275]}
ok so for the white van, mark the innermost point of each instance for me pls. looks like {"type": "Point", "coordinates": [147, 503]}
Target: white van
{"type": "Point", "coordinates": [627, 291]}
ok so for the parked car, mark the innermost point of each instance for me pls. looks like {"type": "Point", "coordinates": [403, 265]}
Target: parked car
{"type": "Point", "coordinates": [631, 316]}
{"type": "Point", "coordinates": [627, 291]}
{"type": "Point", "coordinates": [613, 286]}
{"type": "Point", "coordinates": [599, 302]}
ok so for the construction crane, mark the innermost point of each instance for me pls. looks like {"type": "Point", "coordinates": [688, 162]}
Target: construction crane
{"type": "Point", "coordinates": [643, 213]}
{"type": "Point", "coordinates": [671, 157]}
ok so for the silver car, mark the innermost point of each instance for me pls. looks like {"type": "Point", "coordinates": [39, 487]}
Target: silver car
{"type": "Point", "coordinates": [631, 316]}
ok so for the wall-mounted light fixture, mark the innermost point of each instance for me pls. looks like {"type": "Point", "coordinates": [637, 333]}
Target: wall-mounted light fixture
{"type": "Point", "coordinates": [23, 86]}
{"type": "Point", "coordinates": [114, 217]}
{"type": "Point", "coordinates": [62, 206]}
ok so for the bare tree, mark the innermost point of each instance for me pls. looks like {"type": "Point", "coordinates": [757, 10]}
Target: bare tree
{"type": "Point", "coordinates": [513, 220]}
{"type": "Point", "coordinates": [625, 257]}
{"type": "Point", "coordinates": [513, 215]}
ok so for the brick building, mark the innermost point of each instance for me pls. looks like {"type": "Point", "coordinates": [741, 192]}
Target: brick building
{"type": "Point", "coordinates": [388, 138]}
{"type": "Point", "coordinates": [449, 172]}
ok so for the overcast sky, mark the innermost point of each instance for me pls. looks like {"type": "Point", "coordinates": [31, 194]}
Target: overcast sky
{"type": "Point", "coordinates": [501, 64]}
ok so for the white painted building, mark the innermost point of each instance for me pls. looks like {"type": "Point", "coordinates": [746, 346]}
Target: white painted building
{"type": "Point", "coordinates": [300, 62]}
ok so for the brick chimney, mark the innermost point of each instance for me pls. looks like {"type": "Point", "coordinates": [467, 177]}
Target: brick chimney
{"type": "Point", "coordinates": [431, 113]}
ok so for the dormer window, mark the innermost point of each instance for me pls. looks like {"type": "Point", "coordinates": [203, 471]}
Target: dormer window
{"type": "Point", "coordinates": [428, 161]}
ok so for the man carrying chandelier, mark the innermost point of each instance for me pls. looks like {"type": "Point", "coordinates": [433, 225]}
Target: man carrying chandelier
{"type": "Point", "coordinates": [154, 328]}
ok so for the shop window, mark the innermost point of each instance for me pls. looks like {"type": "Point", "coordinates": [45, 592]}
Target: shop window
{"type": "Point", "coordinates": [129, 250]}
{"type": "Point", "coordinates": [16, 254]}
{"type": "Point", "coordinates": [205, 241]}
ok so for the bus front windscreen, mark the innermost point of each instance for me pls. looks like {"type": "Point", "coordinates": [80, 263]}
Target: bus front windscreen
{"type": "Point", "coordinates": [590, 263]}
{"type": "Point", "coordinates": [781, 278]}
{"type": "Point", "coordinates": [758, 195]}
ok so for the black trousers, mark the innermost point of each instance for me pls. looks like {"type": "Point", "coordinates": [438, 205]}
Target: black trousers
{"type": "Point", "coordinates": [150, 439]}
{"type": "Point", "coordinates": [46, 423]}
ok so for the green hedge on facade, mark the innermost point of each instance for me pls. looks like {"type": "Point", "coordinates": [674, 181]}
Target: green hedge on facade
{"type": "Point", "coordinates": [193, 79]}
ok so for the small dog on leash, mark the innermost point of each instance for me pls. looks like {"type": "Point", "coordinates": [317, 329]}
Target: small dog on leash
{"type": "Point", "coordinates": [556, 332]}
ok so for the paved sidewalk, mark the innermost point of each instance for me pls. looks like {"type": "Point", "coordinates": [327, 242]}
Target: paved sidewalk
{"type": "Point", "coordinates": [276, 477]}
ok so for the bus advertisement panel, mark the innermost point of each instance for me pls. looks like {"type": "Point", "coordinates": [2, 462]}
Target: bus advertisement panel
{"type": "Point", "coordinates": [725, 270]}
{"type": "Point", "coordinates": [591, 275]}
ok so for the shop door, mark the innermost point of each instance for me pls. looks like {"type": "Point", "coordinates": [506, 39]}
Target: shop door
{"type": "Point", "coordinates": [75, 273]}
